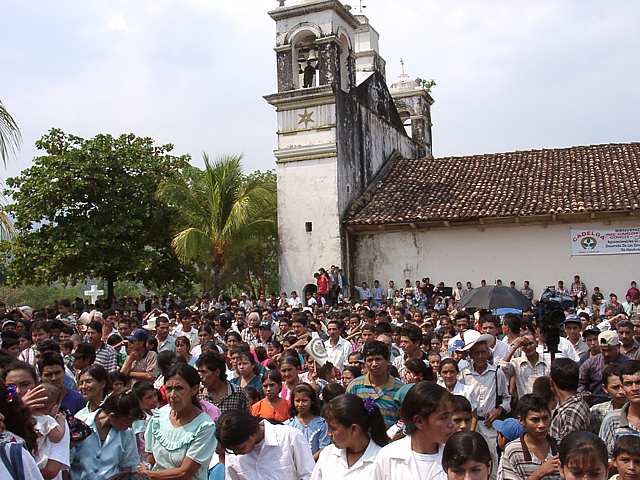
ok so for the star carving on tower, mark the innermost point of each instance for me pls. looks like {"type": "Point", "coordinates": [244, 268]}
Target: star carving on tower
{"type": "Point", "coordinates": [306, 118]}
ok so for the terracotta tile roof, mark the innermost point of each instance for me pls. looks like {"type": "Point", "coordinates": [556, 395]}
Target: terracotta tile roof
{"type": "Point", "coordinates": [596, 178]}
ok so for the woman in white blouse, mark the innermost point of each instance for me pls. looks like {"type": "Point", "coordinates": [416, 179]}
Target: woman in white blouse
{"type": "Point", "coordinates": [357, 430]}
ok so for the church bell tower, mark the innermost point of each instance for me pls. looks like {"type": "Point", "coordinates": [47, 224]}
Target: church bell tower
{"type": "Point", "coordinates": [315, 58]}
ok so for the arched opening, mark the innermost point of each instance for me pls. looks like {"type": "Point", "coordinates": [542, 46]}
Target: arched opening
{"type": "Point", "coordinates": [346, 58]}
{"type": "Point", "coordinates": [405, 116]}
{"type": "Point", "coordinates": [305, 55]}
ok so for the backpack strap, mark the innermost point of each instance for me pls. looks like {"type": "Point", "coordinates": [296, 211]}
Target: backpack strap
{"type": "Point", "coordinates": [7, 463]}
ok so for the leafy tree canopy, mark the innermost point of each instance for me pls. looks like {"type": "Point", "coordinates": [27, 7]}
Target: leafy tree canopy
{"type": "Point", "coordinates": [87, 208]}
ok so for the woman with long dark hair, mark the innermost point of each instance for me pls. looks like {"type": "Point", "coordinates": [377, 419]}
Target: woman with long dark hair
{"type": "Point", "coordinates": [94, 386]}
{"type": "Point", "coordinates": [357, 430]}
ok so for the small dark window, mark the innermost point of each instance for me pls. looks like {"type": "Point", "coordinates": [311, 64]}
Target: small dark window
{"type": "Point", "coordinates": [308, 226]}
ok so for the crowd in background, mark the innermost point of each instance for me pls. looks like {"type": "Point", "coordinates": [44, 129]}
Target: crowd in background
{"type": "Point", "coordinates": [394, 383]}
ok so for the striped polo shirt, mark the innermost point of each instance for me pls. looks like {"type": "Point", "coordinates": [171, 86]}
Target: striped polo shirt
{"type": "Point", "coordinates": [363, 388]}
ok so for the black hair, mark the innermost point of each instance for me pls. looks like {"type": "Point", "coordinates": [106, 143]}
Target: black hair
{"type": "Point", "coordinates": [627, 444]}
{"type": "Point", "coordinates": [412, 332]}
{"type": "Point", "coordinates": [564, 373]}
{"type": "Point", "coordinates": [118, 376]}
{"type": "Point", "coordinates": [188, 374]}
{"type": "Point", "coordinates": [531, 403]}
{"type": "Point", "coordinates": [123, 405]}
{"type": "Point", "coordinates": [165, 359]}
{"type": "Point", "coordinates": [309, 391]}
{"type": "Point", "coordinates": [97, 326]}
{"type": "Point", "coordinates": [449, 361]}
{"type": "Point", "coordinates": [631, 367]}
{"type": "Point", "coordinates": [9, 341]}
{"type": "Point", "coordinates": [17, 365]}
{"type": "Point", "coordinates": [610, 371]}
{"type": "Point", "coordinates": [492, 319]}
{"type": "Point", "coordinates": [261, 353]}
{"type": "Point", "coordinates": [461, 404]}
{"type": "Point", "coordinates": [98, 373]}
{"type": "Point", "coordinates": [542, 387]}
{"type": "Point", "coordinates": [422, 400]}
{"type": "Point", "coordinates": [185, 340]}
{"type": "Point", "coordinates": [293, 360]}
{"type": "Point", "coordinates": [233, 334]}
{"type": "Point", "coordinates": [273, 375]}
{"type": "Point", "coordinates": [416, 365]}
{"type": "Point", "coordinates": [331, 391]}
{"type": "Point", "coordinates": [235, 427]}
{"type": "Point", "coordinates": [48, 345]}
{"type": "Point", "coordinates": [348, 409]}
{"type": "Point", "coordinates": [141, 388]}
{"type": "Point", "coordinates": [50, 359]}
{"type": "Point", "coordinates": [463, 447]}
{"type": "Point", "coordinates": [375, 347]}
{"type": "Point", "coordinates": [514, 322]}
{"type": "Point", "coordinates": [40, 325]}
{"type": "Point", "coordinates": [355, 371]}
{"type": "Point", "coordinates": [114, 339]}
{"type": "Point", "coordinates": [585, 445]}
{"type": "Point", "coordinates": [206, 328]}
{"type": "Point", "coordinates": [213, 361]}
{"type": "Point", "coordinates": [153, 343]}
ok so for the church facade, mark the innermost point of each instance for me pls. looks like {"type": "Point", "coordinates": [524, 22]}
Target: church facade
{"type": "Point", "coordinates": [358, 186]}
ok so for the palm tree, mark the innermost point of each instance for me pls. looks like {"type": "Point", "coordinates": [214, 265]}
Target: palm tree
{"type": "Point", "coordinates": [217, 208]}
{"type": "Point", "coordinates": [10, 141]}
{"type": "Point", "coordinates": [10, 138]}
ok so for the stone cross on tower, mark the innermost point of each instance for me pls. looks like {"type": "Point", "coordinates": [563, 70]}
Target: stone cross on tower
{"type": "Point", "coordinates": [93, 293]}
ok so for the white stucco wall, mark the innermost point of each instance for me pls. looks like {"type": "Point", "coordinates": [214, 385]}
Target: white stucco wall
{"type": "Point", "coordinates": [307, 192]}
{"type": "Point", "coordinates": [538, 253]}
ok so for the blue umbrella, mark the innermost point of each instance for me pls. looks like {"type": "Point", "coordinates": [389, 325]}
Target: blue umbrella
{"type": "Point", "coordinates": [503, 311]}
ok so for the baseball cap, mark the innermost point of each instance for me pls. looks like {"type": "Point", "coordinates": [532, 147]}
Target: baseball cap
{"type": "Point", "coordinates": [8, 322]}
{"type": "Point", "coordinates": [265, 325]}
{"type": "Point", "coordinates": [509, 428]}
{"type": "Point", "coordinates": [572, 319]}
{"type": "Point", "coordinates": [591, 330]}
{"type": "Point", "coordinates": [609, 338]}
{"type": "Point", "coordinates": [138, 335]}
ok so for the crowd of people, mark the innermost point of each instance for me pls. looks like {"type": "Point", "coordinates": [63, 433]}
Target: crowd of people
{"type": "Point", "coordinates": [397, 383]}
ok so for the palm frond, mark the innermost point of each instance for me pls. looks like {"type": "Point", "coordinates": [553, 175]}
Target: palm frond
{"type": "Point", "coordinates": [191, 244]}
{"type": "Point", "coordinates": [10, 137]}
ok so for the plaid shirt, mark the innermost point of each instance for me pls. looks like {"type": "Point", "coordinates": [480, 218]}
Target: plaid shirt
{"type": "Point", "coordinates": [615, 425]}
{"type": "Point", "coordinates": [383, 397]}
{"type": "Point", "coordinates": [598, 412]}
{"type": "Point", "coordinates": [234, 400]}
{"type": "Point", "coordinates": [578, 289]}
{"type": "Point", "coordinates": [571, 416]}
{"type": "Point", "coordinates": [518, 463]}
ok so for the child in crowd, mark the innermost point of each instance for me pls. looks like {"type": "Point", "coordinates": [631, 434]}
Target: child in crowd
{"type": "Point", "coordinates": [290, 371]}
{"type": "Point", "coordinates": [534, 453]}
{"type": "Point", "coordinates": [427, 412]}
{"type": "Point", "coordinates": [305, 411]}
{"type": "Point", "coordinates": [583, 455]}
{"type": "Point", "coordinates": [466, 455]}
{"type": "Point", "coordinates": [119, 382]}
{"type": "Point", "coordinates": [50, 423]}
{"type": "Point", "coordinates": [463, 416]}
{"type": "Point", "coordinates": [272, 407]}
{"type": "Point", "coordinates": [626, 458]}
{"type": "Point", "coordinates": [348, 374]}
{"type": "Point", "coordinates": [148, 401]}
{"type": "Point", "coordinates": [183, 349]}
{"type": "Point", "coordinates": [246, 369]}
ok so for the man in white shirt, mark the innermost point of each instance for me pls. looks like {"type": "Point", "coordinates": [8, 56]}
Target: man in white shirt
{"type": "Point", "coordinates": [338, 349]}
{"type": "Point", "coordinates": [491, 325]}
{"type": "Point", "coordinates": [489, 385]}
{"type": "Point", "coordinates": [294, 301]}
{"type": "Point", "coordinates": [257, 450]}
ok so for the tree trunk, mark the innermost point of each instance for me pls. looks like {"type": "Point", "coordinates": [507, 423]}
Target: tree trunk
{"type": "Point", "coordinates": [110, 294]}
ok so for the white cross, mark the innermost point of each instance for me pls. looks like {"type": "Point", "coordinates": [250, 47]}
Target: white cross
{"type": "Point", "coordinates": [94, 293]}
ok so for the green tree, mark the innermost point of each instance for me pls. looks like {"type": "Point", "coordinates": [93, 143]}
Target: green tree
{"type": "Point", "coordinates": [87, 208]}
{"type": "Point", "coordinates": [219, 208]}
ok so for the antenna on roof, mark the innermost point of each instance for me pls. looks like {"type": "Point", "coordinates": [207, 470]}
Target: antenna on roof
{"type": "Point", "coordinates": [402, 65]}
{"type": "Point", "coordinates": [362, 7]}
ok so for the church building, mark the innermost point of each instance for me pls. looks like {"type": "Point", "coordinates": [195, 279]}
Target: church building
{"type": "Point", "coordinates": [358, 186]}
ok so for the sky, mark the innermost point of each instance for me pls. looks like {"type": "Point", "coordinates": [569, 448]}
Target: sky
{"type": "Point", "coordinates": [511, 75]}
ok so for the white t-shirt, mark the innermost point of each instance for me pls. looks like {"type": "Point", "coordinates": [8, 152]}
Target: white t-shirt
{"type": "Point", "coordinates": [29, 466]}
